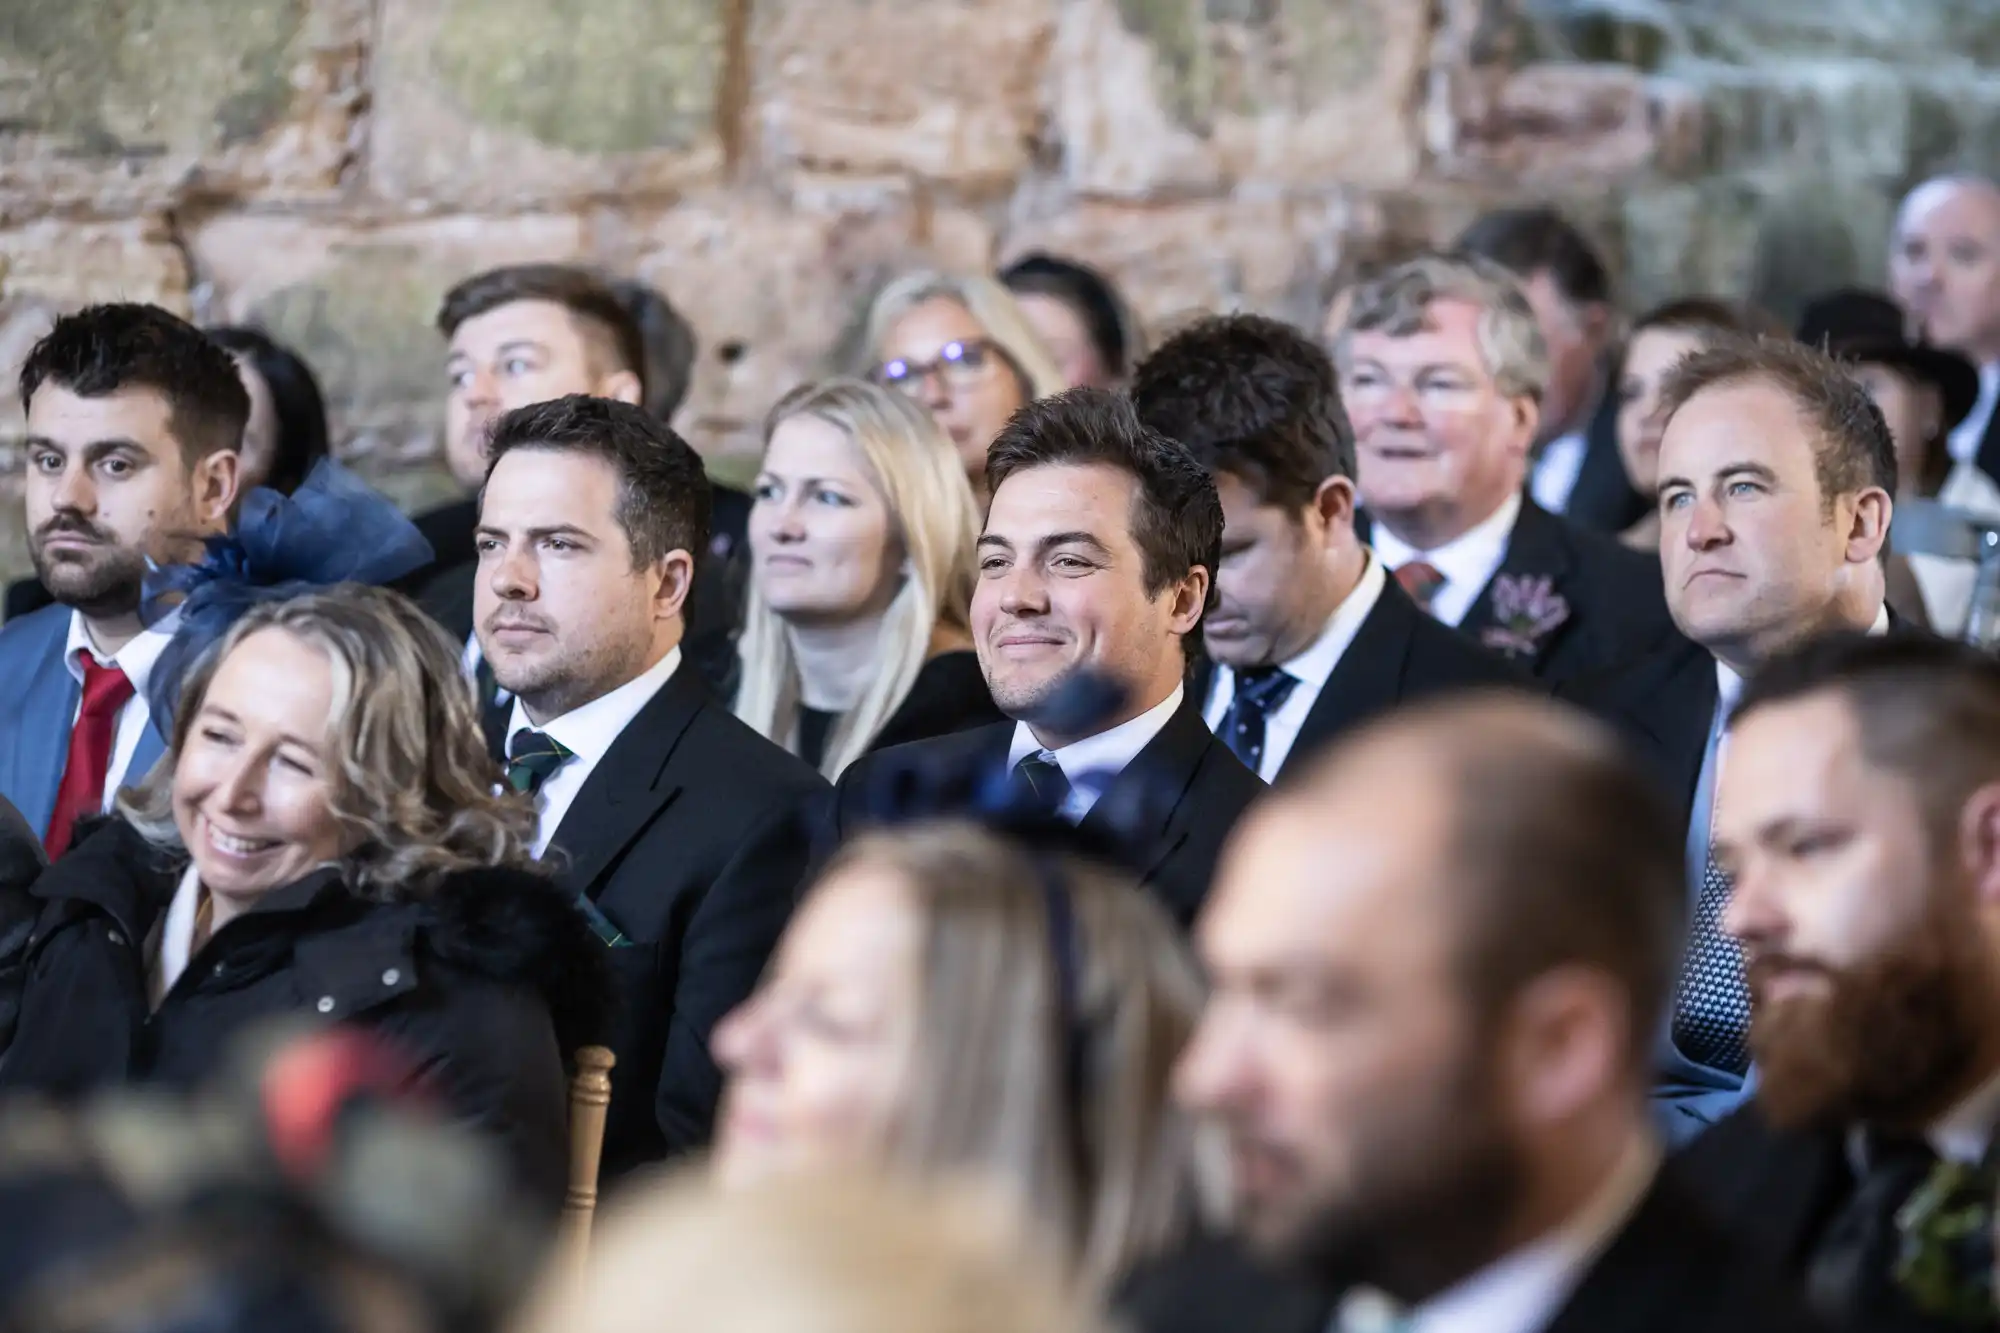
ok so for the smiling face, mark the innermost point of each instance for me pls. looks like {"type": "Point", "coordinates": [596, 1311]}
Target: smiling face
{"type": "Point", "coordinates": [821, 538]}
{"type": "Point", "coordinates": [819, 1060]}
{"type": "Point", "coordinates": [1753, 556]}
{"type": "Point", "coordinates": [1649, 355]}
{"type": "Point", "coordinates": [1439, 447]}
{"type": "Point", "coordinates": [252, 784]}
{"type": "Point", "coordinates": [108, 489]}
{"type": "Point", "coordinates": [1062, 585]}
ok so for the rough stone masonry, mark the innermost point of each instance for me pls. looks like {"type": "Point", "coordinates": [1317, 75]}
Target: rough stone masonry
{"type": "Point", "coordinates": [328, 167]}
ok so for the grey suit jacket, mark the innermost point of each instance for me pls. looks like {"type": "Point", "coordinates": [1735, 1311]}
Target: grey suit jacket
{"type": "Point", "coordinates": [38, 698]}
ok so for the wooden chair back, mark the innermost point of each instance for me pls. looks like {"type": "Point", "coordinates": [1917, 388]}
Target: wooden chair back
{"type": "Point", "coordinates": [589, 1104]}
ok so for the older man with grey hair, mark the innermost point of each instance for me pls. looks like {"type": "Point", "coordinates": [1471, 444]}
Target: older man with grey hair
{"type": "Point", "coordinates": [1442, 368]}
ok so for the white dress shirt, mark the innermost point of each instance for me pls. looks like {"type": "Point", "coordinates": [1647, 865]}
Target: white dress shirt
{"type": "Point", "coordinates": [1526, 1290]}
{"type": "Point", "coordinates": [1554, 478]}
{"type": "Point", "coordinates": [1310, 668]}
{"type": "Point", "coordinates": [136, 660]}
{"type": "Point", "coordinates": [1468, 561]}
{"type": "Point", "coordinates": [1096, 759]}
{"type": "Point", "coordinates": [587, 733]}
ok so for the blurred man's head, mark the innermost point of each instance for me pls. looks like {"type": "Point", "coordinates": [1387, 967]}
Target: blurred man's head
{"type": "Point", "coordinates": [1442, 369]}
{"type": "Point", "coordinates": [135, 419]}
{"type": "Point", "coordinates": [1258, 404]}
{"type": "Point", "coordinates": [1776, 469]}
{"type": "Point", "coordinates": [1570, 289]}
{"type": "Point", "coordinates": [1944, 264]}
{"type": "Point", "coordinates": [1432, 1016]}
{"type": "Point", "coordinates": [525, 335]}
{"type": "Point", "coordinates": [1859, 817]}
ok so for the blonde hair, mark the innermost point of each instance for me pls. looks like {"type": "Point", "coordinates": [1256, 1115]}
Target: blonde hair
{"type": "Point", "coordinates": [410, 779]}
{"type": "Point", "coordinates": [1046, 1072]}
{"type": "Point", "coordinates": [809, 1254]}
{"type": "Point", "coordinates": [1397, 302]}
{"type": "Point", "coordinates": [932, 515]}
{"type": "Point", "coordinates": [991, 306]}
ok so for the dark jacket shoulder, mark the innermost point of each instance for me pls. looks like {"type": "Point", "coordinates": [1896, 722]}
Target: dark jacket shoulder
{"type": "Point", "coordinates": [948, 695]}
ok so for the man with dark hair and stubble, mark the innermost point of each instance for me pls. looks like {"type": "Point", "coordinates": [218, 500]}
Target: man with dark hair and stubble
{"type": "Point", "coordinates": [1578, 471]}
{"type": "Point", "coordinates": [1776, 470]}
{"type": "Point", "coordinates": [1309, 635]}
{"type": "Point", "coordinates": [1429, 1031]}
{"type": "Point", "coordinates": [134, 422]}
{"type": "Point", "coordinates": [1859, 817]}
{"type": "Point", "coordinates": [1098, 555]}
{"type": "Point", "coordinates": [683, 833]}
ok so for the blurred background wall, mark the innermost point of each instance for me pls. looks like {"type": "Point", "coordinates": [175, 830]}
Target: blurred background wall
{"type": "Point", "coordinates": [328, 167]}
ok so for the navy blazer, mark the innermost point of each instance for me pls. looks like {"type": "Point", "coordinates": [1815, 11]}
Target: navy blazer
{"type": "Point", "coordinates": [41, 698]}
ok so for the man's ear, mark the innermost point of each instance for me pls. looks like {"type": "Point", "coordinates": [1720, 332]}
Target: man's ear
{"type": "Point", "coordinates": [1869, 529]}
{"type": "Point", "coordinates": [676, 575]}
{"type": "Point", "coordinates": [216, 479]}
{"type": "Point", "coordinates": [1190, 599]}
{"type": "Point", "coordinates": [1334, 501]}
{"type": "Point", "coordinates": [1979, 844]}
{"type": "Point", "coordinates": [622, 385]}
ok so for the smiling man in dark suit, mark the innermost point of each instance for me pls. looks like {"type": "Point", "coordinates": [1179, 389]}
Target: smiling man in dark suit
{"type": "Point", "coordinates": [1775, 475]}
{"type": "Point", "coordinates": [684, 833]}
{"type": "Point", "coordinates": [1098, 556]}
{"type": "Point", "coordinates": [1442, 369]}
{"type": "Point", "coordinates": [1309, 635]}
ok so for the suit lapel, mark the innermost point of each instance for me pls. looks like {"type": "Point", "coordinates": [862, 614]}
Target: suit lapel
{"type": "Point", "coordinates": [47, 707]}
{"type": "Point", "coordinates": [629, 786]}
{"type": "Point", "coordinates": [1987, 460]}
{"type": "Point", "coordinates": [1142, 802]}
{"type": "Point", "coordinates": [1678, 717]}
{"type": "Point", "coordinates": [1367, 680]}
{"type": "Point", "coordinates": [1535, 549]}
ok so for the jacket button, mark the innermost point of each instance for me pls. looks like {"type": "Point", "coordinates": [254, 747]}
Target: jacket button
{"type": "Point", "coordinates": [116, 939]}
{"type": "Point", "coordinates": [325, 1005]}
{"type": "Point", "coordinates": [391, 977]}
{"type": "Point", "coordinates": [220, 969]}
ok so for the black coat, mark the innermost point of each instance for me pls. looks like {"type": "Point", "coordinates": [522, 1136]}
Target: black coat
{"type": "Point", "coordinates": [692, 837]}
{"type": "Point", "coordinates": [1603, 499]}
{"type": "Point", "coordinates": [21, 864]}
{"type": "Point", "coordinates": [1398, 656]}
{"type": "Point", "coordinates": [487, 982]}
{"type": "Point", "coordinates": [1191, 787]}
{"type": "Point", "coordinates": [1663, 704]}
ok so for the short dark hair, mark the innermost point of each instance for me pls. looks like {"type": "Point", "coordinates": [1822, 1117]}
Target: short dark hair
{"type": "Point", "coordinates": [670, 346]}
{"type": "Point", "coordinates": [1711, 314]}
{"type": "Point", "coordinates": [1855, 449]}
{"type": "Point", "coordinates": [663, 491]}
{"type": "Point", "coordinates": [103, 349]}
{"type": "Point", "coordinates": [1927, 708]}
{"type": "Point", "coordinates": [295, 399]}
{"type": "Point", "coordinates": [1177, 516]}
{"type": "Point", "coordinates": [1565, 852]}
{"type": "Point", "coordinates": [1527, 241]}
{"type": "Point", "coordinates": [1084, 290]}
{"type": "Point", "coordinates": [590, 300]}
{"type": "Point", "coordinates": [1252, 397]}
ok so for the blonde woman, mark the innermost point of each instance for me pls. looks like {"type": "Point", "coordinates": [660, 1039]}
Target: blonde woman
{"type": "Point", "coordinates": [946, 1003]}
{"type": "Point", "coordinates": [963, 347]}
{"type": "Point", "coordinates": [856, 633]}
{"type": "Point", "coordinates": [321, 839]}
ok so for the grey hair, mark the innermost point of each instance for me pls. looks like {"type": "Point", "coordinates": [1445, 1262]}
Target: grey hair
{"type": "Point", "coordinates": [410, 779]}
{"type": "Point", "coordinates": [1397, 303]}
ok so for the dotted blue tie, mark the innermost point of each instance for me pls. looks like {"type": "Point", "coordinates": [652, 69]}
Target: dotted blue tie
{"type": "Point", "coordinates": [1712, 1006]}
{"type": "Point", "coordinates": [1260, 692]}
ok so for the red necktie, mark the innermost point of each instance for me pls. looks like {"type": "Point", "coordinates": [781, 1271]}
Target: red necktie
{"type": "Point", "coordinates": [105, 691]}
{"type": "Point", "coordinates": [1421, 579]}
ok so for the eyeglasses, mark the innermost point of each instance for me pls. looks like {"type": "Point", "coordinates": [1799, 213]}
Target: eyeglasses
{"type": "Point", "coordinates": [962, 365]}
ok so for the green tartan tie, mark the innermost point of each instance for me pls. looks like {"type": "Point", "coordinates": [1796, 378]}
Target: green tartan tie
{"type": "Point", "coordinates": [532, 756]}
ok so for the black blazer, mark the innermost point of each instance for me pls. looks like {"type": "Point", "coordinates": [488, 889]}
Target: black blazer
{"type": "Point", "coordinates": [1201, 789]}
{"type": "Point", "coordinates": [1987, 460]}
{"type": "Point", "coordinates": [1399, 656]}
{"type": "Point", "coordinates": [691, 836]}
{"type": "Point", "coordinates": [1603, 499]}
{"type": "Point", "coordinates": [1663, 703]}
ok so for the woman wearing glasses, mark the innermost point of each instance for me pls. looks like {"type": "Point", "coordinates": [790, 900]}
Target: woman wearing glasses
{"type": "Point", "coordinates": [962, 348]}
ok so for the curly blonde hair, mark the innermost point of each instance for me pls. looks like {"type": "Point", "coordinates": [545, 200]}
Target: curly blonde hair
{"type": "Point", "coordinates": [411, 782]}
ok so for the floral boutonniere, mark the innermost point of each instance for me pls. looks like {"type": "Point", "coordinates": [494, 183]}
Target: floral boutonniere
{"type": "Point", "coordinates": [1526, 609]}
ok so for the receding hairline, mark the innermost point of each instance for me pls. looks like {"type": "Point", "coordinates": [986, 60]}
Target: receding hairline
{"type": "Point", "coordinates": [1937, 187]}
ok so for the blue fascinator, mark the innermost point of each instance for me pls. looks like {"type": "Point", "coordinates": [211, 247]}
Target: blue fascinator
{"type": "Point", "coordinates": [333, 529]}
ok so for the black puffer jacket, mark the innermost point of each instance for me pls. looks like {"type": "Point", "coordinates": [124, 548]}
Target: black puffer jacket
{"type": "Point", "coordinates": [488, 982]}
{"type": "Point", "coordinates": [21, 864]}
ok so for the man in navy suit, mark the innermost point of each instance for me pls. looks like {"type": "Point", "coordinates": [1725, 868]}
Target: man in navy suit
{"type": "Point", "coordinates": [1309, 635]}
{"type": "Point", "coordinates": [134, 420]}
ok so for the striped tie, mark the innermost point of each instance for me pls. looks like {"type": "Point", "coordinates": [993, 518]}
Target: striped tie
{"type": "Point", "coordinates": [531, 757]}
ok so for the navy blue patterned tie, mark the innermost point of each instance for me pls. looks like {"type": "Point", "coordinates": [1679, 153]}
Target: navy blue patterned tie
{"type": "Point", "coordinates": [1712, 1006]}
{"type": "Point", "coordinates": [1260, 692]}
{"type": "Point", "coordinates": [1044, 779]}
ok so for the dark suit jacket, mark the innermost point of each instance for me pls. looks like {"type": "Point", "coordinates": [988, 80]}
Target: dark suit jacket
{"type": "Point", "coordinates": [1399, 656]}
{"type": "Point", "coordinates": [1663, 704]}
{"type": "Point", "coordinates": [1197, 789]}
{"type": "Point", "coordinates": [1987, 460]}
{"type": "Point", "coordinates": [1668, 1270]}
{"type": "Point", "coordinates": [691, 835]}
{"type": "Point", "coordinates": [1603, 499]}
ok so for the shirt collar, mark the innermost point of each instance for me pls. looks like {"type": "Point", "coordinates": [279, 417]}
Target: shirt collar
{"type": "Point", "coordinates": [135, 659]}
{"type": "Point", "coordinates": [1315, 664]}
{"type": "Point", "coordinates": [1729, 685]}
{"type": "Point", "coordinates": [1107, 751]}
{"type": "Point", "coordinates": [1470, 557]}
{"type": "Point", "coordinates": [589, 730]}
{"type": "Point", "coordinates": [1964, 1133]}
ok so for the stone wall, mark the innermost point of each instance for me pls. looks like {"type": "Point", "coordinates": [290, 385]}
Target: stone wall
{"type": "Point", "coordinates": [328, 167]}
